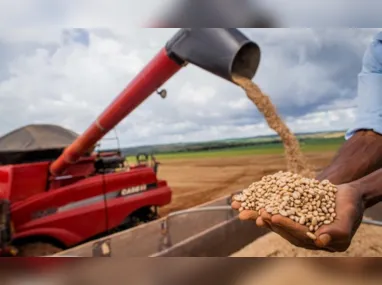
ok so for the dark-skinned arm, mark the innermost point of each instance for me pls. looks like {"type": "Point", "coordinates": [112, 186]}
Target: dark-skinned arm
{"type": "Point", "coordinates": [358, 157]}
{"type": "Point", "coordinates": [370, 187]}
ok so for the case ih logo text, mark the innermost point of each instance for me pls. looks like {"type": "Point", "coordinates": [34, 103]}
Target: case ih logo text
{"type": "Point", "coordinates": [133, 190]}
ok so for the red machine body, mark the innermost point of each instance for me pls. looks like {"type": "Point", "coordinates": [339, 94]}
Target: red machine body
{"type": "Point", "coordinates": [75, 197]}
{"type": "Point", "coordinates": [79, 207]}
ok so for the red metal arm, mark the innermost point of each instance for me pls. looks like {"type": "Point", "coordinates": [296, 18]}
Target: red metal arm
{"type": "Point", "coordinates": [157, 72]}
{"type": "Point", "coordinates": [222, 52]}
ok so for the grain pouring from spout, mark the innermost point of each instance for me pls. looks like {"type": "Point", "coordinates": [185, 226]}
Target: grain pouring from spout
{"type": "Point", "coordinates": [294, 194]}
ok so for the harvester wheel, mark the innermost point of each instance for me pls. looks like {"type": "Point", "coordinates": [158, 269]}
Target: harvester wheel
{"type": "Point", "coordinates": [37, 249]}
{"type": "Point", "coordinates": [142, 216]}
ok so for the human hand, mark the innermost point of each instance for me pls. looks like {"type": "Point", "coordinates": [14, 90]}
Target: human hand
{"type": "Point", "coordinates": [335, 237]}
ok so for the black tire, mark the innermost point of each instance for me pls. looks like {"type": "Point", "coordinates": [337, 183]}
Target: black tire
{"type": "Point", "coordinates": [37, 249]}
{"type": "Point", "coordinates": [142, 216]}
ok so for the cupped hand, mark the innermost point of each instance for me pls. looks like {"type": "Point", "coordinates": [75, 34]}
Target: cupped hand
{"type": "Point", "coordinates": [335, 237]}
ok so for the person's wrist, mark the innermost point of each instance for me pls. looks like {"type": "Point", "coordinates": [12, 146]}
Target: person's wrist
{"type": "Point", "coordinates": [366, 192]}
{"type": "Point", "coordinates": [334, 174]}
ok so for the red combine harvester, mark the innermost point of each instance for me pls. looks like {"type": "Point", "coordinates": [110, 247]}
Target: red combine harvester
{"type": "Point", "coordinates": [68, 196]}
{"type": "Point", "coordinates": [91, 199]}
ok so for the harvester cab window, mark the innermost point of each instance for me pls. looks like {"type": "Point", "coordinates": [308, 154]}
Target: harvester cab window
{"type": "Point", "coordinates": [142, 158]}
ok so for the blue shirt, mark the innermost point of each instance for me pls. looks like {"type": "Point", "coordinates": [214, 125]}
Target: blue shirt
{"type": "Point", "coordinates": [369, 99]}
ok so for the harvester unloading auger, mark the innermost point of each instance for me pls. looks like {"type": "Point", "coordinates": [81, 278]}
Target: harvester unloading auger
{"type": "Point", "coordinates": [223, 52]}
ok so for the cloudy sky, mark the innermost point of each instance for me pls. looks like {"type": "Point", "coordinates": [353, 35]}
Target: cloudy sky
{"type": "Point", "coordinates": [51, 74]}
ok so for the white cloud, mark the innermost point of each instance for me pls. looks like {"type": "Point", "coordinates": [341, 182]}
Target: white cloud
{"type": "Point", "coordinates": [333, 120]}
{"type": "Point", "coordinates": [195, 97]}
{"type": "Point", "coordinates": [69, 83]}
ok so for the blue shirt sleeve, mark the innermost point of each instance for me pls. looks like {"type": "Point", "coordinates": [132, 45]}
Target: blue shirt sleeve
{"type": "Point", "coordinates": [369, 99]}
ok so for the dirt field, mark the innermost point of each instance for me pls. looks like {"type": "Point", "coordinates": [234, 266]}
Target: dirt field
{"type": "Point", "coordinates": [195, 181]}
